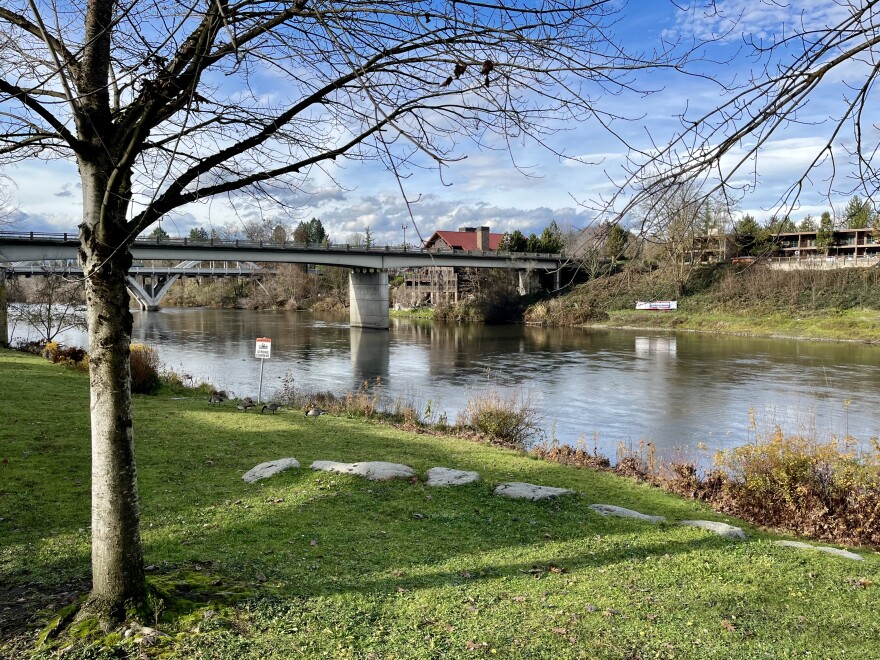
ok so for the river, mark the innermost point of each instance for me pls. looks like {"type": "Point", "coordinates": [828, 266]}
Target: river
{"type": "Point", "coordinates": [689, 394]}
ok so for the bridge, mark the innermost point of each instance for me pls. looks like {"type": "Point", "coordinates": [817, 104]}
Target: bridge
{"type": "Point", "coordinates": [148, 284]}
{"type": "Point", "coordinates": [368, 281]}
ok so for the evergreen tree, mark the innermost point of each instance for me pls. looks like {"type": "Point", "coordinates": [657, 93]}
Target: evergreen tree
{"type": "Point", "coordinates": [158, 233]}
{"type": "Point", "coordinates": [615, 242]}
{"type": "Point", "coordinates": [858, 213]}
{"type": "Point", "coordinates": [551, 239]}
{"type": "Point", "coordinates": [825, 233]}
{"type": "Point", "coordinates": [807, 224]}
{"type": "Point", "coordinates": [751, 237]}
{"type": "Point", "coordinates": [514, 242]}
{"type": "Point", "coordinates": [311, 233]}
{"type": "Point", "coordinates": [198, 234]}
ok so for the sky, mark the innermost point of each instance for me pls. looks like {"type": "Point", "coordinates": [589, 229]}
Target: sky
{"type": "Point", "coordinates": [486, 189]}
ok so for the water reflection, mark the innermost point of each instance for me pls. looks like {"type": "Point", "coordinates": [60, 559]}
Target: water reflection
{"type": "Point", "coordinates": [676, 390]}
{"type": "Point", "coordinates": [370, 355]}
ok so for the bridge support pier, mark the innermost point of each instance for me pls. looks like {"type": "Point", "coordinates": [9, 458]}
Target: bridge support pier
{"type": "Point", "coordinates": [527, 282]}
{"type": "Point", "coordinates": [150, 295]}
{"type": "Point", "coordinates": [368, 296]}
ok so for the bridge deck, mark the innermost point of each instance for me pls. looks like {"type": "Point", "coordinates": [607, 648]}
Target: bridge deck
{"type": "Point", "coordinates": [35, 246]}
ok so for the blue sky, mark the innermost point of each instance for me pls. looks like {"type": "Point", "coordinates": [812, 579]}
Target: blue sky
{"type": "Point", "coordinates": [485, 189]}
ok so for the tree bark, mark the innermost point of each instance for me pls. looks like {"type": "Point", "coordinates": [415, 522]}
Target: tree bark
{"type": "Point", "coordinates": [117, 558]}
{"type": "Point", "coordinates": [4, 322]}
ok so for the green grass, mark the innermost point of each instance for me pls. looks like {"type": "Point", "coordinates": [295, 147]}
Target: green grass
{"type": "Point", "coordinates": [417, 313]}
{"type": "Point", "coordinates": [310, 564]}
{"type": "Point", "coordinates": [838, 325]}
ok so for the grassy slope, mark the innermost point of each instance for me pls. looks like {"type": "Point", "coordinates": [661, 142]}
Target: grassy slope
{"type": "Point", "coordinates": [350, 570]}
{"type": "Point", "coordinates": [835, 305]}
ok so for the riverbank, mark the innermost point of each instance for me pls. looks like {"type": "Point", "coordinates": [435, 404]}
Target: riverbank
{"type": "Point", "coordinates": [756, 301]}
{"type": "Point", "coordinates": [858, 326]}
{"type": "Point", "coordinates": [310, 563]}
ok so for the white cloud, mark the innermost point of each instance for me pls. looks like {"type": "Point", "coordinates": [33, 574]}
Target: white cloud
{"type": "Point", "coordinates": [759, 19]}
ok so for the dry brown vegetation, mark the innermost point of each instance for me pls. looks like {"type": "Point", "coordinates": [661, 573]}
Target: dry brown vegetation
{"type": "Point", "coordinates": [824, 490]}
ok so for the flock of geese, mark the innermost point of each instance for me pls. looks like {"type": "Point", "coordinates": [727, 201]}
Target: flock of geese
{"type": "Point", "coordinates": [247, 403]}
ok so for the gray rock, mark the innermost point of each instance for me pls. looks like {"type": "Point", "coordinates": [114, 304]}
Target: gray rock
{"type": "Point", "coordinates": [821, 548]}
{"type": "Point", "coordinates": [524, 491]}
{"type": "Point", "coordinates": [720, 528]}
{"type": "Point", "coordinates": [441, 476]}
{"type": "Point", "coordinates": [372, 470]}
{"type": "Point", "coordinates": [267, 469]}
{"type": "Point", "coordinates": [611, 510]}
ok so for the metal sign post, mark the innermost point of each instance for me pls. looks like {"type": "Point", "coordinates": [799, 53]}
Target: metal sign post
{"type": "Point", "coordinates": [264, 351]}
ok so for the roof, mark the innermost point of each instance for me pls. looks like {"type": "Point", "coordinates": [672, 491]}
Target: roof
{"type": "Point", "coordinates": [462, 240]}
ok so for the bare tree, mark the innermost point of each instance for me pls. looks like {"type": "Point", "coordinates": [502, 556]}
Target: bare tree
{"type": "Point", "coordinates": [7, 205]}
{"type": "Point", "coordinates": [808, 60]}
{"type": "Point", "coordinates": [678, 219]}
{"type": "Point", "coordinates": [160, 105]}
{"type": "Point", "coordinates": [54, 305]}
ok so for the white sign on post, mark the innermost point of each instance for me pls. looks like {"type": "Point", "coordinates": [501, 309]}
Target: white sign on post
{"type": "Point", "coordinates": [264, 347]}
{"type": "Point", "coordinates": [264, 351]}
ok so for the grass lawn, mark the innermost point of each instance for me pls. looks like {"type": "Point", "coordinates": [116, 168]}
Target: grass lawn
{"type": "Point", "coordinates": [861, 325]}
{"type": "Point", "coordinates": [311, 564]}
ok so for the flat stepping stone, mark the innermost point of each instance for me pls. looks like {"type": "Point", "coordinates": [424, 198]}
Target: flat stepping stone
{"type": "Point", "coordinates": [611, 510]}
{"type": "Point", "coordinates": [372, 470]}
{"type": "Point", "coordinates": [269, 468]}
{"type": "Point", "coordinates": [523, 491]}
{"type": "Point", "coordinates": [821, 548]}
{"type": "Point", "coordinates": [720, 528]}
{"type": "Point", "coordinates": [441, 476]}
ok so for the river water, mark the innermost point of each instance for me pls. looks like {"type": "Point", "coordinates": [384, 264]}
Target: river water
{"type": "Point", "coordinates": [680, 391]}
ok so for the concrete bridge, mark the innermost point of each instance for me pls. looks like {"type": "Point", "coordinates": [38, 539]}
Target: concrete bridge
{"type": "Point", "coordinates": [368, 280]}
{"type": "Point", "coordinates": [148, 284]}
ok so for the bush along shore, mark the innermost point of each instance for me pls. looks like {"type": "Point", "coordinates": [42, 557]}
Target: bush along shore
{"type": "Point", "coordinates": [330, 562]}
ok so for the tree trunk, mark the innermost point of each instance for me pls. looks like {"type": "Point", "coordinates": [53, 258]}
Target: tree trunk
{"type": "Point", "coordinates": [4, 323]}
{"type": "Point", "coordinates": [117, 558]}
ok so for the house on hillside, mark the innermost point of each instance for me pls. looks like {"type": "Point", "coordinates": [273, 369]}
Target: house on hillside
{"type": "Point", "coordinates": [444, 285]}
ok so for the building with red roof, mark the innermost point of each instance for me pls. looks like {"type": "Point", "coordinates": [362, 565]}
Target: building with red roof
{"type": "Point", "coordinates": [466, 238]}
{"type": "Point", "coordinates": [438, 285]}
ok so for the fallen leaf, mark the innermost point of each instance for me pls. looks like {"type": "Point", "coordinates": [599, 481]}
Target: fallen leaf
{"type": "Point", "coordinates": [728, 625]}
{"type": "Point", "coordinates": [610, 612]}
{"type": "Point", "coordinates": [518, 599]}
{"type": "Point", "coordinates": [557, 569]}
{"type": "Point", "coordinates": [313, 542]}
{"type": "Point", "coordinates": [560, 631]}
{"type": "Point", "coordinates": [402, 590]}
{"type": "Point", "coordinates": [466, 575]}
{"type": "Point", "coordinates": [475, 646]}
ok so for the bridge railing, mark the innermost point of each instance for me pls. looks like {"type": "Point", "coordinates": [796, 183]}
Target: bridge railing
{"type": "Point", "coordinates": [273, 245]}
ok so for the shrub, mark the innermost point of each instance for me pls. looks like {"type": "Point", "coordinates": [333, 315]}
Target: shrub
{"type": "Point", "coordinates": [825, 490]}
{"type": "Point", "coordinates": [144, 369]}
{"type": "Point", "coordinates": [568, 455]}
{"type": "Point", "coordinates": [70, 355]}
{"type": "Point", "coordinates": [506, 417]}
{"type": "Point", "coordinates": [363, 402]}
